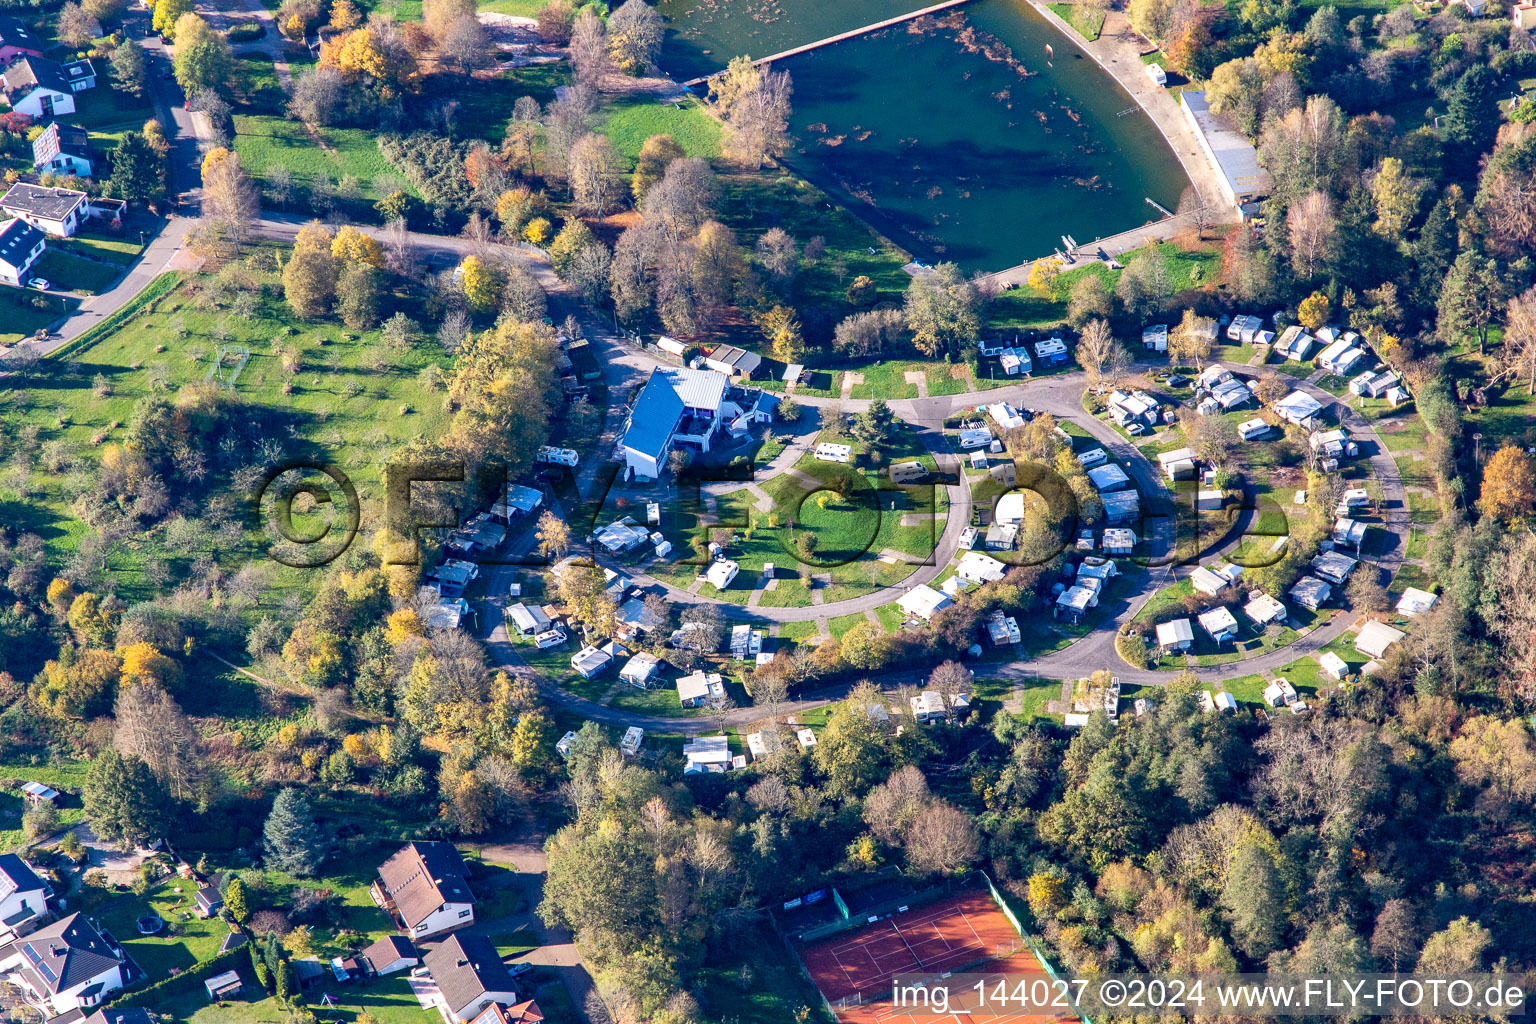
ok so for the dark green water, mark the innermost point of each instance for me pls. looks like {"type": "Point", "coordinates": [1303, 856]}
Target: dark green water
{"type": "Point", "coordinates": [953, 135]}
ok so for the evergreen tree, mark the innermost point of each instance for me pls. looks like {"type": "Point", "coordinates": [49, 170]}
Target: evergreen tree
{"type": "Point", "coordinates": [1254, 897]}
{"type": "Point", "coordinates": [123, 801]}
{"type": "Point", "coordinates": [234, 900]}
{"type": "Point", "coordinates": [293, 840]}
{"type": "Point", "coordinates": [259, 967]}
{"type": "Point", "coordinates": [284, 980]}
{"type": "Point", "coordinates": [1472, 114]}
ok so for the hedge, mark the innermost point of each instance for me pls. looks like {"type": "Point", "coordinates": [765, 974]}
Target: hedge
{"type": "Point", "coordinates": [187, 980]}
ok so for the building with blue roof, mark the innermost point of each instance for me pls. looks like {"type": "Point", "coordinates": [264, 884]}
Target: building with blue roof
{"type": "Point", "coordinates": [676, 407]}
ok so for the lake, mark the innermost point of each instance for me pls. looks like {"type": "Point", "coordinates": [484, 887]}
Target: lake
{"type": "Point", "coordinates": [953, 135]}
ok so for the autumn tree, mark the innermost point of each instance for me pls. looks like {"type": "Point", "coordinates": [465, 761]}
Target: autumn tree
{"type": "Point", "coordinates": [943, 311]}
{"type": "Point", "coordinates": [1192, 339]}
{"type": "Point", "coordinates": [1313, 311]}
{"type": "Point", "coordinates": [655, 154]}
{"type": "Point", "coordinates": [481, 282]}
{"type": "Point", "coordinates": [309, 275]}
{"type": "Point", "coordinates": [593, 169]}
{"type": "Point", "coordinates": [1310, 225]}
{"type": "Point", "coordinates": [350, 245]}
{"type": "Point", "coordinates": [554, 535]}
{"type": "Point", "coordinates": [75, 26]}
{"type": "Point", "coordinates": [229, 198]}
{"type": "Point", "coordinates": [754, 103]}
{"type": "Point", "coordinates": [151, 728]}
{"type": "Point", "coordinates": [635, 34]}
{"type": "Point", "coordinates": [1043, 275]}
{"type": "Point", "coordinates": [203, 58]}
{"type": "Point", "coordinates": [1520, 337]}
{"type": "Point", "coordinates": [781, 328]}
{"type": "Point", "coordinates": [1102, 358]}
{"type": "Point", "coordinates": [165, 15]}
{"type": "Point", "coordinates": [589, 48]}
{"type": "Point", "coordinates": [1508, 490]}
{"type": "Point", "coordinates": [503, 385]}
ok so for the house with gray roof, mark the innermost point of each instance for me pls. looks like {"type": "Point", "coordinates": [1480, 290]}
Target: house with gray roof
{"type": "Point", "coordinates": [54, 211]}
{"type": "Point", "coordinates": [23, 896]}
{"type": "Point", "coordinates": [43, 88]}
{"type": "Point", "coordinates": [67, 966]}
{"type": "Point", "coordinates": [677, 407]}
{"type": "Point", "coordinates": [469, 976]}
{"type": "Point", "coordinates": [63, 149]}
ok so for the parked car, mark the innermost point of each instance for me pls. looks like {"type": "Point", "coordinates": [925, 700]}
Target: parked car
{"type": "Point", "coordinates": [1177, 381]}
{"type": "Point", "coordinates": [42, 284]}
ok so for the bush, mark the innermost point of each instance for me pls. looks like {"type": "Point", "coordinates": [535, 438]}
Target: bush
{"type": "Point", "coordinates": [246, 32]}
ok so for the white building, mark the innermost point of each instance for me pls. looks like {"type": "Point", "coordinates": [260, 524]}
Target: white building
{"type": "Point", "coordinates": [1310, 592]}
{"type": "Point", "coordinates": [721, 572]}
{"type": "Point", "coordinates": [1279, 693]}
{"type": "Point", "coordinates": [1299, 408]}
{"type": "Point", "coordinates": [590, 661]}
{"type": "Point", "coordinates": [633, 738]}
{"type": "Point", "coordinates": [1178, 464]}
{"type": "Point", "coordinates": [44, 89]}
{"type": "Point", "coordinates": [1333, 666]}
{"type": "Point", "coordinates": [1176, 635]}
{"type": "Point", "coordinates": [707, 754]}
{"type": "Point", "coordinates": [21, 246]}
{"type": "Point", "coordinates": [1119, 540]}
{"type": "Point", "coordinates": [1252, 430]}
{"type": "Point", "coordinates": [1108, 477]}
{"type": "Point", "coordinates": [1204, 581]}
{"type": "Point", "coordinates": [66, 966]}
{"type": "Point", "coordinates": [54, 211]}
{"type": "Point", "coordinates": [1295, 345]}
{"type": "Point", "coordinates": [23, 895]}
{"type": "Point", "coordinates": [63, 149]}
{"type": "Point", "coordinates": [1220, 624]}
{"type": "Point", "coordinates": [1376, 637]}
{"type": "Point", "coordinates": [1333, 566]}
{"type": "Point", "coordinates": [1415, 602]}
{"type": "Point", "coordinates": [528, 620]}
{"type": "Point", "coordinates": [1262, 609]}
{"type": "Point", "coordinates": [470, 976]}
{"type": "Point", "coordinates": [1235, 159]}
{"type": "Point", "coordinates": [678, 407]}
{"type": "Point", "coordinates": [922, 602]}
{"type": "Point", "coordinates": [642, 670]}
{"type": "Point", "coordinates": [978, 568]}
{"type": "Point", "coordinates": [829, 452]}
{"type": "Point", "coordinates": [697, 689]}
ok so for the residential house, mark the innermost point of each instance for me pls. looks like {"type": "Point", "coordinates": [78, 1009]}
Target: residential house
{"type": "Point", "coordinates": [1416, 602]}
{"type": "Point", "coordinates": [591, 662]}
{"type": "Point", "coordinates": [1376, 637]}
{"type": "Point", "coordinates": [1371, 384]}
{"type": "Point", "coordinates": [23, 896]}
{"type": "Point", "coordinates": [525, 1012]}
{"type": "Point", "coordinates": [642, 671]}
{"type": "Point", "coordinates": [697, 689]}
{"type": "Point", "coordinates": [67, 965]}
{"type": "Point", "coordinates": [44, 89]}
{"type": "Point", "coordinates": [1136, 407]}
{"type": "Point", "coordinates": [16, 40]}
{"type": "Point", "coordinates": [1349, 532]}
{"type": "Point", "coordinates": [1001, 536]}
{"type": "Point", "coordinates": [1074, 602]}
{"type": "Point", "coordinates": [21, 246]}
{"type": "Point", "coordinates": [63, 149]}
{"type": "Point", "coordinates": [1334, 566]}
{"type": "Point", "coordinates": [923, 602]}
{"type": "Point", "coordinates": [978, 568]}
{"type": "Point", "coordinates": [422, 886]}
{"type": "Point", "coordinates": [677, 407]}
{"type": "Point", "coordinates": [1205, 581]}
{"type": "Point", "coordinates": [519, 503]}
{"type": "Point", "coordinates": [1121, 506]}
{"type": "Point", "coordinates": [1333, 444]}
{"type": "Point", "coordinates": [1220, 624]}
{"type": "Point", "coordinates": [1310, 592]}
{"type": "Point", "coordinates": [1108, 477]}
{"type": "Point", "coordinates": [1295, 345]}
{"type": "Point", "coordinates": [37, 793]}
{"type": "Point", "coordinates": [1155, 338]}
{"type": "Point", "coordinates": [1262, 609]}
{"type": "Point", "coordinates": [527, 620]}
{"type": "Point", "coordinates": [707, 754]}
{"type": "Point", "coordinates": [55, 211]}
{"type": "Point", "coordinates": [119, 1015]}
{"type": "Point", "coordinates": [1230, 393]}
{"type": "Point", "coordinates": [928, 706]}
{"type": "Point", "coordinates": [1299, 408]}
{"type": "Point", "coordinates": [390, 954]}
{"type": "Point", "coordinates": [470, 976]}
{"type": "Point", "coordinates": [736, 363]}
{"type": "Point", "coordinates": [1176, 635]}
{"type": "Point", "coordinates": [1178, 464]}
{"type": "Point", "coordinates": [1243, 328]}
{"type": "Point", "coordinates": [1342, 356]}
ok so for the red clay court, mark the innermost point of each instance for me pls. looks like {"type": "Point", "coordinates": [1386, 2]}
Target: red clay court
{"type": "Point", "coordinates": [953, 934]}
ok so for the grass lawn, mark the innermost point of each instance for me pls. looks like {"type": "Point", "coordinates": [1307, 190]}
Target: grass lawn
{"type": "Point", "coordinates": [105, 107]}
{"type": "Point", "coordinates": [661, 701]}
{"type": "Point", "coordinates": [76, 273]}
{"type": "Point", "coordinates": [485, 101]}
{"type": "Point", "coordinates": [186, 939]}
{"type": "Point", "coordinates": [349, 401]}
{"type": "Point", "coordinates": [629, 121]}
{"type": "Point", "coordinates": [265, 142]}
{"type": "Point", "coordinates": [1085, 22]}
{"type": "Point", "coordinates": [121, 249]}
{"type": "Point", "coordinates": [389, 999]}
{"type": "Point", "coordinates": [20, 315]}
{"type": "Point", "coordinates": [65, 776]}
{"type": "Point", "coordinates": [256, 88]}
{"type": "Point", "coordinates": [758, 982]}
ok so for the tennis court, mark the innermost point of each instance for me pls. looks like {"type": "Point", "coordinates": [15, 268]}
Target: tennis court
{"type": "Point", "coordinates": [1022, 963]}
{"type": "Point", "coordinates": [951, 935]}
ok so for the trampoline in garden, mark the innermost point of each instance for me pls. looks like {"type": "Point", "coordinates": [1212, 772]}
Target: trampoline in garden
{"type": "Point", "coordinates": [150, 924]}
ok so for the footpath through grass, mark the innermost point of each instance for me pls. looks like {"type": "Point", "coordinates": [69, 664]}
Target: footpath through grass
{"type": "Point", "coordinates": [1086, 22]}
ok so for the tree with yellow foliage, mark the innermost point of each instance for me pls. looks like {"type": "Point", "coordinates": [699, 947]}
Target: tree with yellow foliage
{"type": "Point", "coordinates": [402, 627]}
{"type": "Point", "coordinates": [61, 593]}
{"type": "Point", "coordinates": [143, 662]}
{"type": "Point", "coordinates": [481, 283]}
{"type": "Point", "coordinates": [166, 13]}
{"type": "Point", "coordinates": [360, 53]}
{"type": "Point", "coordinates": [1313, 311]}
{"type": "Point", "coordinates": [92, 621]}
{"type": "Point", "coordinates": [504, 383]}
{"type": "Point", "coordinates": [1507, 492]}
{"type": "Point", "coordinates": [345, 16]}
{"type": "Point", "coordinates": [309, 277]}
{"type": "Point", "coordinates": [352, 246]}
{"type": "Point", "coordinates": [1043, 275]}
